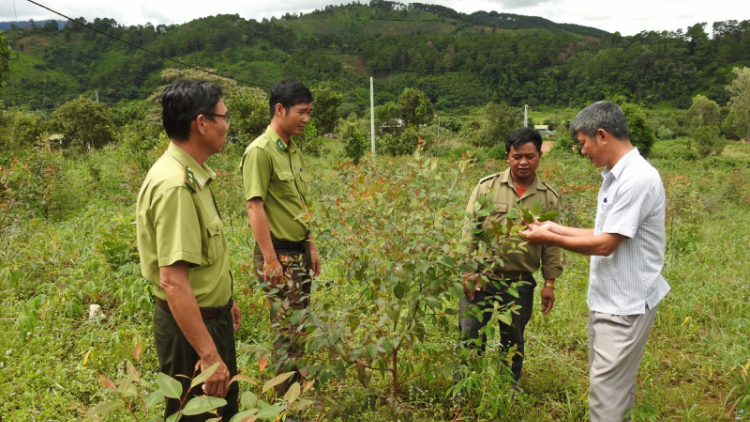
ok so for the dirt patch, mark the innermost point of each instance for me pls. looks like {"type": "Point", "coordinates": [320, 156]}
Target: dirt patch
{"type": "Point", "coordinates": [547, 145]}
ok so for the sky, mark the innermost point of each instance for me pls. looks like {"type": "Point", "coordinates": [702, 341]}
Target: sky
{"type": "Point", "coordinates": [629, 17]}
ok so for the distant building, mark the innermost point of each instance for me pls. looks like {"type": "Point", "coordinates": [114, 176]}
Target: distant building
{"type": "Point", "coordinates": [544, 130]}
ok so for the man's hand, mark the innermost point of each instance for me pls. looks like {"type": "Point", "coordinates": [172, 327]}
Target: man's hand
{"type": "Point", "coordinates": [273, 273]}
{"type": "Point", "coordinates": [548, 299]}
{"type": "Point", "coordinates": [236, 316]}
{"type": "Point", "coordinates": [471, 284]}
{"type": "Point", "coordinates": [315, 262]}
{"type": "Point", "coordinates": [217, 385]}
{"type": "Point", "coordinates": [537, 234]}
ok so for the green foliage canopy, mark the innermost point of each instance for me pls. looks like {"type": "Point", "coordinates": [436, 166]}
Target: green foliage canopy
{"type": "Point", "coordinates": [740, 101]}
{"type": "Point", "coordinates": [84, 122]}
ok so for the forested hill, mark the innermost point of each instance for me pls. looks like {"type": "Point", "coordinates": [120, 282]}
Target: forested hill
{"type": "Point", "coordinates": [459, 60]}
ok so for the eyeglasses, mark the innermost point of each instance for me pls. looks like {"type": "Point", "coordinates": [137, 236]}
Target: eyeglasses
{"type": "Point", "coordinates": [227, 117]}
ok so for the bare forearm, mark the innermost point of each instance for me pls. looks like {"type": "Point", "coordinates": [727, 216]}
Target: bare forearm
{"type": "Point", "coordinates": [602, 244]}
{"type": "Point", "coordinates": [569, 231]}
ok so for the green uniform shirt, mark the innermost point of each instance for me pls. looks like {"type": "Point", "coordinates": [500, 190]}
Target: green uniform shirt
{"type": "Point", "coordinates": [177, 220]}
{"type": "Point", "coordinates": [274, 172]}
{"type": "Point", "coordinates": [501, 191]}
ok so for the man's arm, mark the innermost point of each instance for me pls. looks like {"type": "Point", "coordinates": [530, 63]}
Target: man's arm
{"type": "Point", "coordinates": [173, 279]}
{"type": "Point", "coordinates": [564, 230]}
{"type": "Point", "coordinates": [603, 244]}
{"type": "Point", "coordinates": [272, 271]}
{"type": "Point", "coordinates": [313, 256]}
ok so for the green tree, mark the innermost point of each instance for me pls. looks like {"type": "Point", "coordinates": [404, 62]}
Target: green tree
{"type": "Point", "coordinates": [85, 123]}
{"type": "Point", "coordinates": [325, 109]}
{"type": "Point", "coordinates": [740, 101]}
{"type": "Point", "coordinates": [703, 112]}
{"type": "Point", "coordinates": [250, 113]}
{"type": "Point", "coordinates": [20, 130]}
{"type": "Point", "coordinates": [707, 140]}
{"type": "Point", "coordinates": [730, 127]}
{"type": "Point", "coordinates": [355, 143]}
{"type": "Point", "coordinates": [4, 61]}
{"type": "Point", "coordinates": [493, 125]}
{"type": "Point", "coordinates": [641, 134]}
{"type": "Point", "coordinates": [414, 106]}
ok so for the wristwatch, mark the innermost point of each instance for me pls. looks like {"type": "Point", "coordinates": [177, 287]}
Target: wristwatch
{"type": "Point", "coordinates": [549, 284]}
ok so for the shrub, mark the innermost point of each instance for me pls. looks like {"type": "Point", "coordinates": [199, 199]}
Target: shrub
{"type": "Point", "coordinates": [707, 140]}
{"type": "Point", "coordinates": [664, 133]}
{"type": "Point", "coordinates": [84, 123]}
{"type": "Point", "coordinates": [355, 144]}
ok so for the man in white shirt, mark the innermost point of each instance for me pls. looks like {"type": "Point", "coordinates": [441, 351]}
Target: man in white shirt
{"type": "Point", "coordinates": [627, 254]}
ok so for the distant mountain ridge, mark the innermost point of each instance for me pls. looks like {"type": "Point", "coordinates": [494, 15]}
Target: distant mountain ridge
{"type": "Point", "coordinates": [5, 25]}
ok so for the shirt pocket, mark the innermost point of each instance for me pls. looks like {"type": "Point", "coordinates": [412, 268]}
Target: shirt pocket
{"type": "Point", "coordinates": [304, 186]}
{"type": "Point", "coordinates": [496, 219]}
{"type": "Point", "coordinates": [215, 239]}
{"type": "Point", "coordinates": [285, 185]}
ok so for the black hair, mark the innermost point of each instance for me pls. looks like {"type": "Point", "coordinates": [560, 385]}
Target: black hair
{"type": "Point", "coordinates": [289, 93]}
{"type": "Point", "coordinates": [522, 136]}
{"type": "Point", "coordinates": [183, 101]}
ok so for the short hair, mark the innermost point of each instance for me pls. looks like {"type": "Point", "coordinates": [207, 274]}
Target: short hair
{"type": "Point", "coordinates": [600, 115]}
{"type": "Point", "coordinates": [522, 136]}
{"type": "Point", "coordinates": [289, 93]}
{"type": "Point", "coordinates": [183, 101]}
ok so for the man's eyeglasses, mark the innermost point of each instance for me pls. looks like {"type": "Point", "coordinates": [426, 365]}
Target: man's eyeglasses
{"type": "Point", "coordinates": [227, 117]}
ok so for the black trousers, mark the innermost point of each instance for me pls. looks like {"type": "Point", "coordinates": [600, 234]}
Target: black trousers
{"type": "Point", "coordinates": [510, 335]}
{"type": "Point", "coordinates": [177, 357]}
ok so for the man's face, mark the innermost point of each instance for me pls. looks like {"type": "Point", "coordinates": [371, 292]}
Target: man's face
{"type": "Point", "coordinates": [591, 148]}
{"type": "Point", "coordinates": [296, 118]}
{"type": "Point", "coordinates": [523, 161]}
{"type": "Point", "coordinates": [216, 131]}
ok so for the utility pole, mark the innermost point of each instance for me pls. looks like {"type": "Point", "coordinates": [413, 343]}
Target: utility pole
{"type": "Point", "coordinates": [97, 96]}
{"type": "Point", "coordinates": [372, 118]}
{"type": "Point", "coordinates": [526, 115]}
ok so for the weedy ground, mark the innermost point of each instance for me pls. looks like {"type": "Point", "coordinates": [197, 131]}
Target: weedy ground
{"type": "Point", "coordinates": [68, 241]}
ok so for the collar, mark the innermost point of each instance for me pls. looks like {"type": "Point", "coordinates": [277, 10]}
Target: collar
{"type": "Point", "coordinates": [276, 140]}
{"type": "Point", "coordinates": [619, 167]}
{"type": "Point", "coordinates": [505, 178]}
{"type": "Point", "coordinates": [203, 174]}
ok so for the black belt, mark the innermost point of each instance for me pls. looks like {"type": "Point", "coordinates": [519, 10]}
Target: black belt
{"type": "Point", "coordinates": [206, 313]}
{"type": "Point", "coordinates": [289, 246]}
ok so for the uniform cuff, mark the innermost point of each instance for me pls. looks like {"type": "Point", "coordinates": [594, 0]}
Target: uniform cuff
{"type": "Point", "coordinates": [189, 257]}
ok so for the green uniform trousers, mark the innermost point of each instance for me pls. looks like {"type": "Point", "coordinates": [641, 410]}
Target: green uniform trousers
{"type": "Point", "coordinates": [177, 357]}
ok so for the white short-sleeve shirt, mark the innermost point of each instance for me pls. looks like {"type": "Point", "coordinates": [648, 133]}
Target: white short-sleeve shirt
{"type": "Point", "coordinates": [631, 202]}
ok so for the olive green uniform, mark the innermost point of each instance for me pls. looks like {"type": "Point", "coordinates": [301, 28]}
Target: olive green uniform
{"type": "Point", "coordinates": [275, 173]}
{"type": "Point", "coordinates": [500, 193]}
{"type": "Point", "coordinates": [177, 220]}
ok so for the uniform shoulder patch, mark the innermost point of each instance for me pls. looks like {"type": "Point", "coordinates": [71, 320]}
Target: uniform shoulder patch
{"type": "Point", "coordinates": [488, 178]}
{"type": "Point", "coordinates": [190, 181]}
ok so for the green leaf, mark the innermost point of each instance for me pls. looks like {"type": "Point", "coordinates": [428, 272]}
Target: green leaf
{"type": "Point", "coordinates": [169, 386]}
{"type": "Point", "coordinates": [203, 404]}
{"type": "Point", "coordinates": [133, 372]}
{"type": "Point", "coordinates": [244, 416]}
{"type": "Point", "coordinates": [372, 351]}
{"type": "Point", "coordinates": [152, 399]}
{"type": "Point", "coordinates": [104, 408]}
{"type": "Point", "coordinates": [277, 380]}
{"type": "Point", "coordinates": [548, 216]}
{"type": "Point", "coordinates": [527, 216]}
{"type": "Point", "coordinates": [302, 404]}
{"type": "Point", "coordinates": [535, 208]}
{"type": "Point", "coordinates": [174, 417]}
{"type": "Point", "coordinates": [249, 399]}
{"type": "Point", "coordinates": [205, 375]}
{"type": "Point", "coordinates": [399, 291]}
{"type": "Point", "coordinates": [293, 393]}
{"type": "Point", "coordinates": [270, 412]}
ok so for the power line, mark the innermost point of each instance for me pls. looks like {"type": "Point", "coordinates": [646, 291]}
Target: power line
{"type": "Point", "coordinates": [133, 45]}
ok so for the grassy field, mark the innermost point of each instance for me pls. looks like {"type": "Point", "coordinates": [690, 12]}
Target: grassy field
{"type": "Point", "coordinates": [68, 242]}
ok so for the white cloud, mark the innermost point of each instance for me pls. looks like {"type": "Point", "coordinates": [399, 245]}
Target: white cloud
{"type": "Point", "coordinates": [628, 17]}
